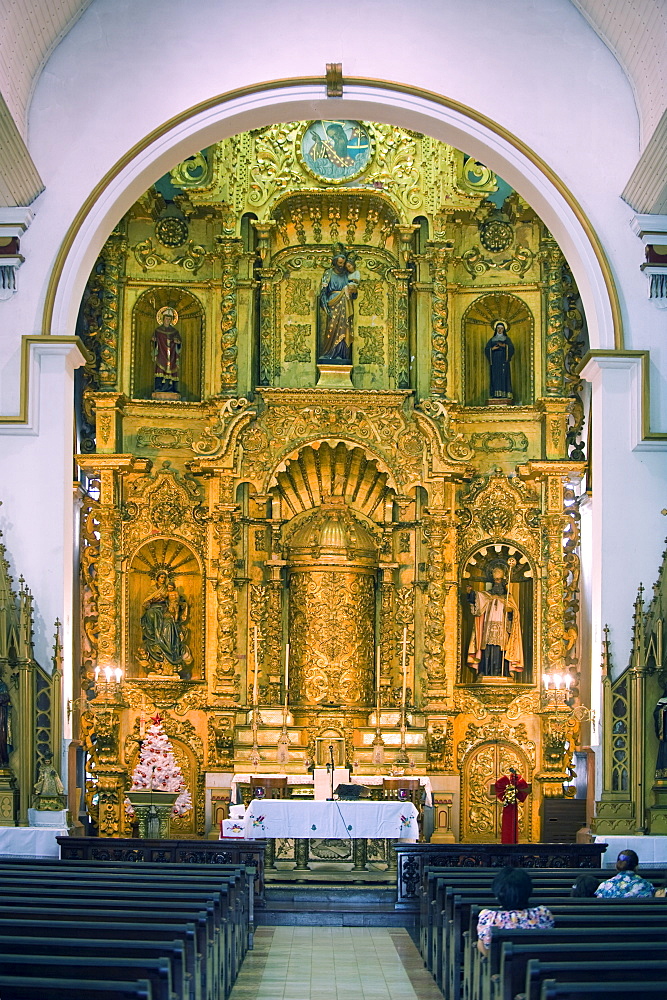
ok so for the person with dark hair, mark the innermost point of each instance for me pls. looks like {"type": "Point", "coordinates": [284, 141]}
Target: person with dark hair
{"type": "Point", "coordinates": [627, 882]}
{"type": "Point", "coordinates": [512, 887]}
{"type": "Point", "coordinates": [585, 886]}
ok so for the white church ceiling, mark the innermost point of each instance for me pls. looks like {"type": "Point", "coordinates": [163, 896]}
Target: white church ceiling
{"type": "Point", "coordinates": [634, 30]}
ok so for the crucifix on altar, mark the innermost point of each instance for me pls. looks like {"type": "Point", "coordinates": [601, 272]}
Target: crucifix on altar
{"type": "Point", "coordinates": [511, 789]}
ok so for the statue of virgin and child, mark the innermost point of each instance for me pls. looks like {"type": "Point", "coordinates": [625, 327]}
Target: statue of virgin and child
{"type": "Point", "coordinates": [338, 290]}
{"type": "Point", "coordinates": [163, 617]}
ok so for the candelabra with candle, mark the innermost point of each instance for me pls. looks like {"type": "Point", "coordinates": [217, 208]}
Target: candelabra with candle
{"type": "Point", "coordinates": [108, 681]}
{"type": "Point", "coordinates": [555, 693]}
{"type": "Point", "coordinates": [282, 755]}
{"type": "Point", "coordinates": [403, 756]}
{"type": "Point", "coordinates": [378, 742]}
{"type": "Point", "coordinates": [255, 756]}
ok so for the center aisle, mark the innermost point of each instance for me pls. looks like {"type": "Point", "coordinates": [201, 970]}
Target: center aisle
{"type": "Point", "coordinates": [334, 963]}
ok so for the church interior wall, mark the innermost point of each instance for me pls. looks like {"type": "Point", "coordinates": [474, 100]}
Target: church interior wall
{"type": "Point", "coordinates": [563, 95]}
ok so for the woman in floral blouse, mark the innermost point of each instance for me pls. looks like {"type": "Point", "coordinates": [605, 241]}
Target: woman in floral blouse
{"type": "Point", "coordinates": [627, 882]}
{"type": "Point", "coordinates": [512, 887]}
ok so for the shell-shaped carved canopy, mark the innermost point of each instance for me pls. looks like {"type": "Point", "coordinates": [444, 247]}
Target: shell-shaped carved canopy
{"type": "Point", "coordinates": [333, 536]}
{"type": "Point", "coordinates": [317, 474]}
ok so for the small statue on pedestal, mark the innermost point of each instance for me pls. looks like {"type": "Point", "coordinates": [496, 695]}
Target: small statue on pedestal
{"type": "Point", "coordinates": [49, 789]}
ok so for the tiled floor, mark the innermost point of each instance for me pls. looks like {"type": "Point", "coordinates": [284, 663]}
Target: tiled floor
{"type": "Point", "coordinates": [334, 963]}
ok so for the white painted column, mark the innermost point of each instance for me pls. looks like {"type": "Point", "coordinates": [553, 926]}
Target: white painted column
{"type": "Point", "coordinates": [36, 517]}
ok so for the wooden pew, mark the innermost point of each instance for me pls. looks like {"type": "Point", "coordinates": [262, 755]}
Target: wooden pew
{"type": "Point", "coordinates": [100, 934]}
{"type": "Point", "coordinates": [141, 921]}
{"type": "Point", "coordinates": [239, 887]}
{"type": "Point", "coordinates": [583, 917]}
{"type": "Point", "coordinates": [612, 937]}
{"type": "Point", "coordinates": [35, 988]}
{"type": "Point", "coordinates": [624, 990]}
{"type": "Point", "coordinates": [136, 896]}
{"type": "Point", "coordinates": [90, 951]}
{"type": "Point", "coordinates": [137, 892]}
{"type": "Point", "coordinates": [516, 957]}
{"type": "Point", "coordinates": [156, 972]}
{"type": "Point", "coordinates": [608, 970]}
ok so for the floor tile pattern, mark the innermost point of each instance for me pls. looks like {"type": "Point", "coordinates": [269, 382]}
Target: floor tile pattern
{"type": "Point", "coordinates": [334, 963]}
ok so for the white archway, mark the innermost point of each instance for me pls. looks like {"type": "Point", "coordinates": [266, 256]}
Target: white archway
{"type": "Point", "coordinates": [367, 100]}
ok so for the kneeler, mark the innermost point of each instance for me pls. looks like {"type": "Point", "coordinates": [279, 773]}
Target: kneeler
{"type": "Point", "coordinates": [510, 791]}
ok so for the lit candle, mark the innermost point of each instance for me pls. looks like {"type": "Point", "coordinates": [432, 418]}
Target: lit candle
{"type": "Point", "coordinates": [254, 683]}
{"type": "Point", "coordinates": [405, 663]}
{"type": "Point", "coordinates": [545, 681]}
{"type": "Point", "coordinates": [107, 673]}
{"type": "Point", "coordinates": [557, 680]}
{"type": "Point", "coordinates": [97, 673]}
{"type": "Point", "coordinates": [568, 681]}
{"type": "Point", "coordinates": [119, 674]}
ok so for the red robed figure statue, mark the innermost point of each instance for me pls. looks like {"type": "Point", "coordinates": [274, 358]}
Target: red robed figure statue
{"type": "Point", "coordinates": [510, 791]}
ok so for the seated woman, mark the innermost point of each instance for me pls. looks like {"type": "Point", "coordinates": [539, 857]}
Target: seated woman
{"type": "Point", "coordinates": [512, 887]}
{"type": "Point", "coordinates": [585, 886]}
{"type": "Point", "coordinates": [627, 882]}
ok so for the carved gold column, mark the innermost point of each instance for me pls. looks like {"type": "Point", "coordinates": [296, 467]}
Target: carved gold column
{"type": "Point", "coordinates": [109, 775]}
{"type": "Point", "coordinates": [229, 251]}
{"type": "Point", "coordinates": [226, 680]}
{"type": "Point", "coordinates": [246, 310]}
{"type": "Point", "coordinates": [268, 349]}
{"type": "Point", "coordinates": [332, 563]}
{"type": "Point", "coordinates": [439, 256]}
{"type": "Point", "coordinates": [402, 275]}
{"type": "Point", "coordinates": [435, 528]}
{"type": "Point", "coordinates": [422, 289]}
{"type": "Point", "coordinates": [274, 629]}
{"type": "Point", "coordinates": [555, 344]}
{"type": "Point", "coordinates": [113, 258]}
{"type": "Point", "coordinates": [387, 630]}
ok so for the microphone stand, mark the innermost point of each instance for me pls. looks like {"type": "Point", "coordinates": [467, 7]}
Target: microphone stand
{"type": "Point", "coordinates": [330, 768]}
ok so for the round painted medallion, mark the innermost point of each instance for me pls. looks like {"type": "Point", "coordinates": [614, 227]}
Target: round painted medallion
{"type": "Point", "coordinates": [336, 151]}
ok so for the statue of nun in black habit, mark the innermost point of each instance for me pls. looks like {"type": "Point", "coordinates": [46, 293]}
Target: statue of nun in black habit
{"type": "Point", "coordinates": [499, 352]}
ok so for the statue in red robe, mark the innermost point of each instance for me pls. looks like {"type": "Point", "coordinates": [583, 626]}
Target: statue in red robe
{"type": "Point", "coordinates": [166, 346]}
{"type": "Point", "coordinates": [511, 790]}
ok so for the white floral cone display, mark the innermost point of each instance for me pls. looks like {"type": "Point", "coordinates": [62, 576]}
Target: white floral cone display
{"type": "Point", "coordinates": [157, 770]}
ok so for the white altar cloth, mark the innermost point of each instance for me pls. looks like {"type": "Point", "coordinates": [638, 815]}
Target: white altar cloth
{"type": "Point", "coordinates": [339, 820]}
{"type": "Point", "coordinates": [30, 841]}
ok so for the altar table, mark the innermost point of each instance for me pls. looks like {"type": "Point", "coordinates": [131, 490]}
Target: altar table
{"type": "Point", "coordinates": [332, 820]}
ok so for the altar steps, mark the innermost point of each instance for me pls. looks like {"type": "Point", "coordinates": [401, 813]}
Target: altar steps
{"type": "Point", "coordinates": [332, 905]}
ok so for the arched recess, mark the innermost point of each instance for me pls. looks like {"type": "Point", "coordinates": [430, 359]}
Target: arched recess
{"type": "Point", "coordinates": [190, 325]}
{"type": "Point", "coordinates": [165, 584]}
{"type": "Point", "coordinates": [192, 824]}
{"type": "Point", "coordinates": [477, 573]}
{"type": "Point", "coordinates": [478, 328]}
{"type": "Point", "coordinates": [302, 99]}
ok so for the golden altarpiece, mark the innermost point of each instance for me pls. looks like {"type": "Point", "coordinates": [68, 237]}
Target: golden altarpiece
{"type": "Point", "coordinates": [248, 485]}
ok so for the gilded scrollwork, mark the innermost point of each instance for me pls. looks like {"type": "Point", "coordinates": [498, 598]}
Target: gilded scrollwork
{"type": "Point", "coordinates": [494, 731]}
{"type": "Point", "coordinates": [226, 679]}
{"type": "Point", "coordinates": [555, 344]}
{"type": "Point", "coordinates": [439, 258]}
{"type": "Point", "coordinates": [229, 251]}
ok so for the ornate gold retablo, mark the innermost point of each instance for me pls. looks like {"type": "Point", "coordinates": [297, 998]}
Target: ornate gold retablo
{"type": "Point", "coordinates": [332, 564]}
